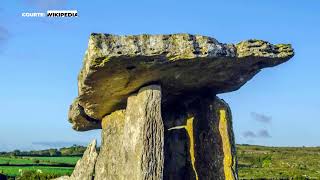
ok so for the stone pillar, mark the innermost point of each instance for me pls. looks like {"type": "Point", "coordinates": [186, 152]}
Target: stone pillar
{"type": "Point", "coordinates": [132, 139]}
{"type": "Point", "coordinates": [84, 168]}
{"type": "Point", "coordinates": [111, 159]}
{"type": "Point", "coordinates": [199, 140]}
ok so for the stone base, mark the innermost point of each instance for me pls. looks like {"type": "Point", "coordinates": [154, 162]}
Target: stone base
{"type": "Point", "coordinates": [191, 139]}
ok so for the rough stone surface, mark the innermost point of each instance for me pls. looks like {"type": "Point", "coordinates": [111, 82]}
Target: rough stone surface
{"type": "Point", "coordinates": [83, 120]}
{"type": "Point", "coordinates": [199, 140]}
{"type": "Point", "coordinates": [132, 139]}
{"type": "Point", "coordinates": [84, 168]}
{"type": "Point", "coordinates": [116, 66]}
{"type": "Point", "coordinates": [111, 160]}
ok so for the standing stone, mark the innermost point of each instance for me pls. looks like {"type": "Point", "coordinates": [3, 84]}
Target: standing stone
{"type": "Point", "coordinates": [84, 169]}
{"type": "Point", "coordinates": [132, 145]}
{"type": "Point", "coordinates": [111, 159]}
{"type": "Point", "coordinates": [216, 151]}
{"type": "Point", "coordinates": [199, 140]}
{"type": "Point", "coordinates": [85, 166]}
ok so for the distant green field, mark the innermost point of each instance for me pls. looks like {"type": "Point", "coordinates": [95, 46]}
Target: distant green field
{"type": "Point", "coordinates": [42, 160]}
{"type": "Point", "coordinates": [256, 162]}
{"type": "Point", "coordinates": [66, 160]}
{"type": "Point", "coordinates": [32, 165]}
{"type": "Point", "coordinates": [14, 170]}
{"type": "Point", "coordinates": [13, 160]}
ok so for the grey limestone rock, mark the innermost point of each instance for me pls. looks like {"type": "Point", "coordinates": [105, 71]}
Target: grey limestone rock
{"type": "Point", "coordinates": [132, 145]}
{"type": "Point", "coordinates": [116, 66]}
{"type": "Point", "coordinates": [84, 169]}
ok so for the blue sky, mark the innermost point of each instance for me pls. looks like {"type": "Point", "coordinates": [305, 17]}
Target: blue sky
{"type": "Point", "coordinates": [40, 59]}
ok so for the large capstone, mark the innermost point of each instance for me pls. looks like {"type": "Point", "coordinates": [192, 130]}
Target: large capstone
{"type": "Point", "coordinates": [114, 67]}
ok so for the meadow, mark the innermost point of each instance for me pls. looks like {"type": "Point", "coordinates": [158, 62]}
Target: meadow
{"type": "Point", "coordinates": [13, 166]}
{"type": "Point", "coordinates": [66, 160]}
{"type": "Point", "coordinates": [260, 162]}
{"type": "Point", "coordinates": [14, 170]}
{"type": "Point", "coordinates": [254, 162]}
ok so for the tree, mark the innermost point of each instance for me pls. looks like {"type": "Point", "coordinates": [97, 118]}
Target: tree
{"type": "Point", "coordinates": [54, 152]}
{"type": "Point", "coordinates": [16, 152]}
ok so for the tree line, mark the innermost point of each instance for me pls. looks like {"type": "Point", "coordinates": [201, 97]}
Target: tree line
{"type": "Point", "coordinates": [74, 150]}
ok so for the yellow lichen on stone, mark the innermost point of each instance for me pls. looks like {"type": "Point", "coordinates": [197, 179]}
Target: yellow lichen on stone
{"type": "Point", "coordinates": [189, 128]}
{"type": "Point", "coordinates": [284, 50]}
{"type": "Point", "coordinates": [259, 48]}
{"type": "Point", "coordinates": [227, 159]}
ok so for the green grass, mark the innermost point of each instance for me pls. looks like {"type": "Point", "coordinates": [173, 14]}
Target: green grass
{"type": "Point", "coordinates": [65, 160]}
{"type": "Point", "coordinates": [255, 162]}
{"type": "Point", "coordinates": [15, 160]}
{"type": "Point", "coordinates": [278, 162]}
{"type": "Point", "coordinates": [42, 160]}
{"type": "Point", "coordinates": [14, 170]}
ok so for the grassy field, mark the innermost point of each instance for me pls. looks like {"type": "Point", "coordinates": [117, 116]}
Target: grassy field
{"type": "Point", "coordinates": [12, 160]}
{"type": "Point", "coordinates": [66, 160]}
{"type": "Point", "coordinates": [29, 163]}
{"type": "Point", "coordinates": [41, 160]}
{"type": "Point", "coordinates": [254, 162]}
{"type": "Point", "coordinates": [14, 170]}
